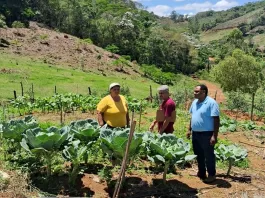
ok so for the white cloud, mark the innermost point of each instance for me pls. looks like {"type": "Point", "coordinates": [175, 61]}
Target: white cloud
{"type": "Point", "coordinates": [200, 7]}
{"type": "Point", "coordinates": [160, 10]}
{"type": "Point", "coordinates": [179, 0]}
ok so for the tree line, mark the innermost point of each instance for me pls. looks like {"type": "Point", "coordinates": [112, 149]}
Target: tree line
{"type": "Point", "coordinates": [121, 24]}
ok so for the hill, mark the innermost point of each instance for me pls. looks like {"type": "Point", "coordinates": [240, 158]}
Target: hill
{"type": "Point", "coordinates": [43, 58]}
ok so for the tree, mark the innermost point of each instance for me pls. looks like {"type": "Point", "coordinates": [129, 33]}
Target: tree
{"type": "Point", "coordinates": [240, 72]}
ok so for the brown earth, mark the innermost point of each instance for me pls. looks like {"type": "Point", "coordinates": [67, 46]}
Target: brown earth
{"type": "Point", "coordinates": [57, 48]}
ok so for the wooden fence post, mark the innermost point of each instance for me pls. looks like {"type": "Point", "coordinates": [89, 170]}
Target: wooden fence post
{"type": "Point", "coordinates": [15, 94]}
{"type": "Point", "coordinates": [22, 91]}
{"type": "Point", "coordinates": [89, 91]}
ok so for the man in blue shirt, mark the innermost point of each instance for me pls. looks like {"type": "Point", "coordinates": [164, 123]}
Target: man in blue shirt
{"type": "Point", "coordinates": [204, 127]}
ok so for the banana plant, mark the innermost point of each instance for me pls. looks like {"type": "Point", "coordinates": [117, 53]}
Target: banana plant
{"type": "Point", "coordinates": [230, 153]}
{"type": "Point", "coordinates": [45, 142]}
{"type": "Point", "coordinates": [74, 152]}
{"type": "Point", "coordinates": [167, 149]}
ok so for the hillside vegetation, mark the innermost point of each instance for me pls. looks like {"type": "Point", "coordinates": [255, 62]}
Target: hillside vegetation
{"type": "Point", "coordinates": [119, 26]}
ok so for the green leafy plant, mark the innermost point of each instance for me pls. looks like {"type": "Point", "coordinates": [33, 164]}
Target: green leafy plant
{"type": "Point", "coordinates": [18, 24]}
{"type": "Point", "coordinates": [87, 131]}
{"type": "Point", "coordinates": [14, 129]}
{"type": "Point", "coordinates": [230, 153]}
{"type": "Point", "coordinates": [167, 149]}
{"type": "Point", "coordinates": [228, 125]}
{"type": "Point", "coordinates": [74, 152]}
{"type": "Point", "coordinates": [45, 142]}
{"type": "Point", "coordinates": [114, 142]}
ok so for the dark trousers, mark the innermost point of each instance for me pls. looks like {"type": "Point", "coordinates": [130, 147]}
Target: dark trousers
{"type": "Point", "coordinates": [204, 151]}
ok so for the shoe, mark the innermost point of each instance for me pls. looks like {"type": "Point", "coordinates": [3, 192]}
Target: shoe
{"type": "Point", "coordinates": [209, 179]}
{"type": "Point", "coordinates": [201, 176]}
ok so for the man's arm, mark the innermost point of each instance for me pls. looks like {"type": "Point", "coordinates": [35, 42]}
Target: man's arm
{"type": "Point", "coordinates": [216, 124]}
{"type": "Point", "coordinates": [151, 128]}
{"type": "Point", "coordinates": [188, 134]}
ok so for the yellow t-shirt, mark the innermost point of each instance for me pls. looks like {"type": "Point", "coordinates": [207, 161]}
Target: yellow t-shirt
{"type": "Point", "coordinates": [114, 113]}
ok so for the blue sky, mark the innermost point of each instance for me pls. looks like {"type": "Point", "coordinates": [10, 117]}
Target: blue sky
{"type": "Point", "coordinates": [191, 7]}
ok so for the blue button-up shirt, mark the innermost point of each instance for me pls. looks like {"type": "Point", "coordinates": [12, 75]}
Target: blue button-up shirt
{"type": "Point", "coordinates": [202, 114]}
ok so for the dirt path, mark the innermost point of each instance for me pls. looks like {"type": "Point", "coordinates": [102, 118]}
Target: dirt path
{"type": "Point", "coordinates": [214, 90]}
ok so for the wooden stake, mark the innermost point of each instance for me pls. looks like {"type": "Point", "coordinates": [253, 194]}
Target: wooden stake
{"type": "Point", "coordinates": [22, 90]}
{"type": "Point", "coordinates": [124, 161]}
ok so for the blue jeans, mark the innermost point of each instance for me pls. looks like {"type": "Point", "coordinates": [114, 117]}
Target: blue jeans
{"type": "Point", "coordinates": [204, 151]}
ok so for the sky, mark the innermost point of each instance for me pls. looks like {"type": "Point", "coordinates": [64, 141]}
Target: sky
{"type": "Point", "coordinates": [190, 7]}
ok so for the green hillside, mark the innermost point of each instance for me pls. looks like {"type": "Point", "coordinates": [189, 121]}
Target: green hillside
{"type": "Point", "coordinates": [44, 77]}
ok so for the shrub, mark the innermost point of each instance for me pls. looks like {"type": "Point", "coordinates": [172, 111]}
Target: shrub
{"type": "Point", "coordinates": [18, 24]}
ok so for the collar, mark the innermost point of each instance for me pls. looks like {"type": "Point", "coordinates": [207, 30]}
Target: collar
{"type": "Point", "coordinates": [204, 101]}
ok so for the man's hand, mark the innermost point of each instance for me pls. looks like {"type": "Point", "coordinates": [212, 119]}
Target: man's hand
{"type": "Point", "coordinates": [213, 140]}
{"type": "Point", "coordinates": [188, 134]}
{"type": "Point", "coordinates": [151, 128]}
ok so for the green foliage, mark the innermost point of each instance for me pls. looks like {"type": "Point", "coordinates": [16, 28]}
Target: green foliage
{"type": "Point", "coordinates": [38, 141]}
{"type": "Point", "coordinates": [112, 48]}
{"type": "Point", "coordinates": [75, 153]}
{"type": "Point", "coordinates": [14, 129]}
{"type": "Point", "coordinates": [150, 71]}
{"type": "Point", "coordinates": [45, 143]}
{"type": "Point", "coordinates": [2, 21]}
{"type": "Point", "coordinates": [87, 40]}
{"type": "Point", "coordinates": [239, 72]}
{"type": "Point", "coordinates": [85, 130]}
{"type": "Point", "coordinates": [167, 149]}
{"type": "Point", "coordinates": [113, 142]}
{"type": "Point", "coordinates": [228, 125]}
{"type": "Point", "coordinates": [237, 101]}
{"type": "Point", "coordinates": [18, 24]}
{"type": "Point", "coordinates": [230, 153]}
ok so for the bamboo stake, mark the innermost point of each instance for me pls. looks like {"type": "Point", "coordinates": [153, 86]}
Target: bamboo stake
{"type": "Point", "coordinates": [124, 161]}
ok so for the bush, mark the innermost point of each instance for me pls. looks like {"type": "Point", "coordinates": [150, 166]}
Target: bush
{"type": "Point", "coordinates": [112, 48]}
{"type": "Point", "coordinates": [2, 21]}
{"type": "Point", "coordinates": [18, 24]}
{"type": "Point", "coordinates": [88, 40]}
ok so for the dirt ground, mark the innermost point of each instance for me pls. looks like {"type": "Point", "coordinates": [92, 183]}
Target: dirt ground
{"type": "Point", "coordinates": [51, 47]}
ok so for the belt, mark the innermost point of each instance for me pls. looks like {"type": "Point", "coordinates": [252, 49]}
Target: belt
{"type": "Point", "coordinates": [202, 132]}
{"type": "Point", "coordinates": [111, 127]}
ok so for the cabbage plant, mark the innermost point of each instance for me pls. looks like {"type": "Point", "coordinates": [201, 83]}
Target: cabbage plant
{"type": "Point", "coordinates": [14, 129]}
{"type": "Point", "coordinates": [167, 149]}
{"type": "Point", "coordinates": [230, 153]}
{"type": "Point", "coordinates": [74, 152]}
{"type": "Point", "coordinates": [114, 142]}
{"type": "Point", "coordinates": [45, 142]}
{"type": "Point", "coordinates": [87, 131]}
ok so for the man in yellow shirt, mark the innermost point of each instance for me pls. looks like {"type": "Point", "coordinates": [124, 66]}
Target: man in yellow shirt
{"type": "Point", "coordinates": [113, 109]}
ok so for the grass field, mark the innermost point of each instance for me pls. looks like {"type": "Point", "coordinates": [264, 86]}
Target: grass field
{"type": "Point", "coordinates": [206, 37]}
{"type": "Point", "coordinates": [44, 77]}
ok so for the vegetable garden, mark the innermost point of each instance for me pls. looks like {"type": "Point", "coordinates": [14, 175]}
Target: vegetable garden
{"type": "Point", "coordinates": [57, 157]}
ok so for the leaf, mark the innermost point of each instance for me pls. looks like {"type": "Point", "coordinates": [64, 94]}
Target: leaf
{"type": "Point", "coordinates": [190, 157]}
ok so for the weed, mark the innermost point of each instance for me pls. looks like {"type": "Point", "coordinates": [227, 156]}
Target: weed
{"type": "Point", "coordinates": [105, 174]}
{"type": "Point", "coordinates": [43, 36]}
